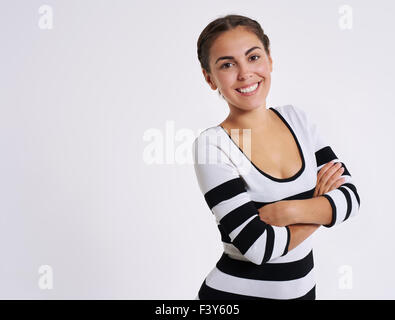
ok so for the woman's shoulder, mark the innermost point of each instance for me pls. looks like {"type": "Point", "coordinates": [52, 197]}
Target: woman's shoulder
{"type": "Point", "coordinates": [208, 136]}
{"type": "Point", "coordinates": [210, 131]}
{"type": "Point", "coordinates": [290, 109]}
{"type": "Point", "coordinates": [294, 114]}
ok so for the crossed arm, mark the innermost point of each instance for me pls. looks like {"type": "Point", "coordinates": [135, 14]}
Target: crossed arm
{"type": "Point", "coordinates": [267, 233]}
{"type": "Point", "coordinates": [303, 217]}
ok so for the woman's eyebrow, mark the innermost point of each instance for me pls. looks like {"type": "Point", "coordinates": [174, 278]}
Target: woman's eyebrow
{"type": "Point", "coordinates": [230, 57]}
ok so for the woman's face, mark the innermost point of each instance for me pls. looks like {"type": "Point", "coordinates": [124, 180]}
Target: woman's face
{"type": "Point", "coordinates": [238, 59]}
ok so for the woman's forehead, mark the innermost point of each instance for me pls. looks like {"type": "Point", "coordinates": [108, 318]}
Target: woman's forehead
{"type": "Point", "coordinates": [235, 42]}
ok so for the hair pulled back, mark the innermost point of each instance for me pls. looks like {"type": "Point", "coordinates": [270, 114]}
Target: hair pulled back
{"type": "Point", "coordinates": [220, 25]}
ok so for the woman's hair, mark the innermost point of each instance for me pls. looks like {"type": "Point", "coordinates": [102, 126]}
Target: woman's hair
{"type": "Point", "coordinates": [215, 28]}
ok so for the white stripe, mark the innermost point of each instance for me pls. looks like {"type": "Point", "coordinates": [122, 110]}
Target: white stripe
{"type": "Point", "coordinates": [340, 201]}
{"type": "Point", "coordinates": [257, 251]}
{"type": "Point", "coordinates": [296, 253]}
{"type": "Point", "coordinates": [354, 202]}
{"type": "Point", "coordinates": [290, 289]}
{"type": "Point", "coordinates": [223, 208]}
{"type": "Point", "coordinates": [236, 231]}
{"type": "Point", "coordinates": [280, 240]}
{"type": "Point", "coordinates": [347, 178]}
{"type": "Point", "coordinates": [233, 252]}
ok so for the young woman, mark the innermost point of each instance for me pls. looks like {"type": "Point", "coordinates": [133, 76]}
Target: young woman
{"type": "Point", "coordinates": [269, 197]}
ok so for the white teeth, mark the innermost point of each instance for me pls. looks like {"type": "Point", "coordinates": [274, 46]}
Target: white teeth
{"type": "Point", "coordinates": [249, 89]}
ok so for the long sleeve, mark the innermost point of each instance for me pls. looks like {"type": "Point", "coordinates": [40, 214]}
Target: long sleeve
{"type": "Point", "coordinates": [225, 194]}
{"type": "Point", "coordinates": [345, 201]}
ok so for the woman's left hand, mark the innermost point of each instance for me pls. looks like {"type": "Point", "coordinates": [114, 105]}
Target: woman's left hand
{"type": "Point", "coordinates": [277, 214]}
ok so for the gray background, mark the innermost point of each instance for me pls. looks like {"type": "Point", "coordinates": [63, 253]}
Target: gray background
{"type": "Point", "coordinates": [75, 190]}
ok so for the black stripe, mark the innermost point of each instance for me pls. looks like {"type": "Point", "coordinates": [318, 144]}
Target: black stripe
{"type": "Point", "coordinates": [208, 293]}
{"type": "Point", "coordinates": [237, 216]}
{"type": "Point", "coordinates": [267, 271]}
{"type": "Point", "coordinates": [269, 243]}
{"type": "Point", "coordinates": [345, 172]}
{"type": "Point", "coordinates": [354, 189]}
{"type": "Point", "coordinates": [288, 240]}
{"type": "Point", "coordinates": [299, 196]}
{"type": "Point", "coordinates": [348, 199]}
{"type": "Point", "coordinates": [333, 211]}
{"type": "Point", "coordinates": [249, 234]}
{"type": "Point", "coordinates": [224, 236]}
{"type": "Point", "coordinates": [309, 295]}
{"type": "Point", "coordinates": [324, 155]}
{"type": "Point", "coordinates": [224, 191]}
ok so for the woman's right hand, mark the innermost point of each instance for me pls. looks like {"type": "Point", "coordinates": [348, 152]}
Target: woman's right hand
{"type": "Point", "coordinates": [328, 178]}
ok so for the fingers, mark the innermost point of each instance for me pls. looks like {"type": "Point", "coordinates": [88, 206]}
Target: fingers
{"type": "Point", "coordinates": [323, 175]}
{"type": "Point", "coordinates": [320, 174]}
{"type": "Point", "coordinates": [334, 178]}
{"type": "Point", "coordinates": [328, 179]}
{"type": "Point", "coordinates": [337, 184]}
{"type": "Point", "coordinates": [324, 169]}
{"type": "Point", "coordinates": [329, 173]}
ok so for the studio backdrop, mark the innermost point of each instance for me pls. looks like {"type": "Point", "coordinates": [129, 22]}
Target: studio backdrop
{"type": "Point", "coordinates": [100, 103]}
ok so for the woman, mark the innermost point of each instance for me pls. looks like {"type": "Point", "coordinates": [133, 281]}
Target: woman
{"type": "Point", "coordinates": [269, 201]}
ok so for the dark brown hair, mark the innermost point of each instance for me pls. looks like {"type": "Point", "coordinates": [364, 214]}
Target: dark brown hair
{"type": "Point", "coordinates": [218, 26]}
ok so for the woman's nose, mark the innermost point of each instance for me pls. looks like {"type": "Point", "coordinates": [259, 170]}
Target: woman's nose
{"type": "Point", "coordinates": [244, 73]}
{"type": "Point", "coordinates": [243, 76]}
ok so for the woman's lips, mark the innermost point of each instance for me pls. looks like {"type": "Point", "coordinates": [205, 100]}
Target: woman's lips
{"type": "Point", "coordinates": [250, 93]}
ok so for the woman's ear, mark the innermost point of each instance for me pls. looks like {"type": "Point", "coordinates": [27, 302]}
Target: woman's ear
{"type": "Point", "coordinates": [271, 63]}
{"type": "Point", "coordinates": [208, 79]}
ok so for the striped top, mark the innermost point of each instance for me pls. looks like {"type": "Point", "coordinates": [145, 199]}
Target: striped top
{"type": "Point", "coordinates": [256, 262]}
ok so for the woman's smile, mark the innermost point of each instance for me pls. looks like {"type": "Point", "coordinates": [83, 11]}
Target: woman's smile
{"type": "Point", "coordinates": [249, 91]}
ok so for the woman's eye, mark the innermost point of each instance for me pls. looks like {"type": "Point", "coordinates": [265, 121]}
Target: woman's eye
{"type": "Point", "coordinates": [223, 66]}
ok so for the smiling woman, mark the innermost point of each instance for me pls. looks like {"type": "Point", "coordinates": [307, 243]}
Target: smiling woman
{"type": "Point", "coordinates": [232, 73]}
{"type": "Point", "coordinates": [293, 184]}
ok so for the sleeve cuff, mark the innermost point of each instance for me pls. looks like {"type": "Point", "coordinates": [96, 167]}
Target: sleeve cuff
{"type": "Point", "coordinates": [332, 203]}
{"type": "Point", "coordinates": [288, 240]}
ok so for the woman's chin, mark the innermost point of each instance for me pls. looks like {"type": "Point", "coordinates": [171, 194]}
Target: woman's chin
{"type": "Point", "coordinates": [248, 106]}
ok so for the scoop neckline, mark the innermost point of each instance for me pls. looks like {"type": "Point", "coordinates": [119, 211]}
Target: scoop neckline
{"type": "Point", "coordinates": [297, 174]}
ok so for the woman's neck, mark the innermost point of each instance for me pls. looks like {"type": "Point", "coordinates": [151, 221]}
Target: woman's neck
{"type": "Point", "coordinates": [256, 119]}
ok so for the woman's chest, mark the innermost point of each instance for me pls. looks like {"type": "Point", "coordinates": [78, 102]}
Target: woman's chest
{"type": "Point", "coordinates": [276, 153]}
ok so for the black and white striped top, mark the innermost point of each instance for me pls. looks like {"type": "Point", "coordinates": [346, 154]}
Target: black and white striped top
{"type": "Point", "coordinates": [256, 262]}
